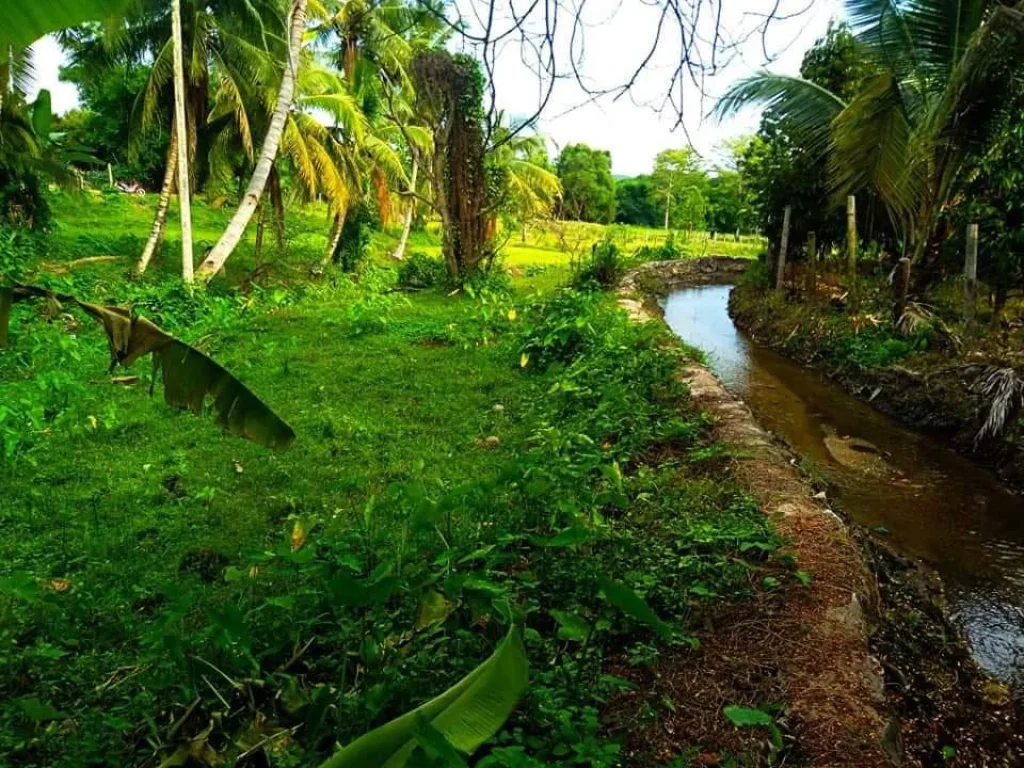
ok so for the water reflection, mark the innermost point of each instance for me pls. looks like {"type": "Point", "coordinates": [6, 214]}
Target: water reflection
{"type": "Point", "coordinates": [936, 505]}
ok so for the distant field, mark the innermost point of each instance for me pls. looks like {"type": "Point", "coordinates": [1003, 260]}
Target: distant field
{"type": "Point", "coordinates": [105, 224]}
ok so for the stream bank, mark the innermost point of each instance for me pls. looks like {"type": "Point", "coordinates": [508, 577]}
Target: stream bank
{"type": "Point", "coordinates": [938, 392]}
{"type": "Point", "coordinates": [948, 711]}
{"type": "Point", "coordinates": [814, 646]}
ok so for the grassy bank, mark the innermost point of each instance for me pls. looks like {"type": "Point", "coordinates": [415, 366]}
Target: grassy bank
{"type": "Point", "coordinates": [462, 463]}
{"type": "Point", "coordinates": [926, 368]}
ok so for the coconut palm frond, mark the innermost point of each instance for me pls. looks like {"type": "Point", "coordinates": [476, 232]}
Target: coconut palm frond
{"type": "Point", "coordinates": [421, 137]}
{"type": "Point", "coordinates": [535, 189]}
{"type": "Point", "coordinates": [873, 142]}
{"type": "Point", "coordinates": [255, 63]}
{"type": "Point", "coordinates": [230, 101]}
{"type": "Point", "coordinates": [1004, 389]}
{"type": "Point", "coordinates": [18, 72]}
{"type": "Point", "coordinates": [330, 179]}
{"type": "Point", "coordinates": [148, 102]}
{"type": "Point", "coordinates": [293, 145]}
{"type": "Point", "coordinates": [387, 158]}
{"type": "Point", "coordinates": [343, 108]}
{"type": "Point", "coordinates": [808, 107]}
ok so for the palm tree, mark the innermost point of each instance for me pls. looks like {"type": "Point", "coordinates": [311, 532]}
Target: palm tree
{"type": "Point", "coordinates": [224, 47]}
{"type": "Point", "coordinates": [271, 142]}
{"type": "Point", "coordinates": [531, 188]}
{"type": "Point", "coordinates": [906, 134]}
{"type": "Point", "coordinates": [184, 202]}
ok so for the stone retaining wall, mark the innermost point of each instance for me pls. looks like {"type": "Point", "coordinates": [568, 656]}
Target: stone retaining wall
{"type": "Point", "coordinates": [836, 698]}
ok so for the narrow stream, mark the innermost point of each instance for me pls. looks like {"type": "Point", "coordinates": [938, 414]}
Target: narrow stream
{"type": "Point", "coordinates": [936, 505]}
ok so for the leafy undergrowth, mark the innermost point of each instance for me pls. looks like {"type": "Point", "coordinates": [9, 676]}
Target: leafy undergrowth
{"type": "Point", "coordinates": [462, 464]}
{"type": "Point", "coordinates": [859, 332]}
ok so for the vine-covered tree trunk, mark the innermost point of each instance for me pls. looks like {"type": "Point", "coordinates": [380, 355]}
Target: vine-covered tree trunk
{"type": "Point", "coordinates": [450, 94]}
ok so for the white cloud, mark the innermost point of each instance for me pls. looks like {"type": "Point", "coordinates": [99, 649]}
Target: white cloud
{"type": "Point", "coordinates": [48, 60]}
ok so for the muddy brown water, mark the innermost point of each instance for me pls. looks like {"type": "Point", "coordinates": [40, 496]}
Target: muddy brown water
{"type": "Point", "coordinates": [930, 502]}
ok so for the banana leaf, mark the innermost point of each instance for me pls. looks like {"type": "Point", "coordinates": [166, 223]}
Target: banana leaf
{"type": "Point", "coordinates": [25, 21]}
{"type": "Point", "coordinates": [189, 376]}
{"type": "Point", "coordinates": [467, 714]}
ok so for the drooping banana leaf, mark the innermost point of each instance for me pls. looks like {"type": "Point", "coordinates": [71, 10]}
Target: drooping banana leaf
{"type": "Point", "coordinates": [189, 376]}
{"type": "Point", "coordinates": [467, 714]}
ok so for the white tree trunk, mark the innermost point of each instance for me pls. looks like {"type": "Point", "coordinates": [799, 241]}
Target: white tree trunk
{"type": "Point", "coordinates": [236, 228]}
{"type": "Point", "coordinates": [160, 221]}
{"type": "Point", "coordinates": [333, 239]}
{"type": "Point", "coordinates": [399, 253]}
{"type": "Point", "coordinates": [184, 200]}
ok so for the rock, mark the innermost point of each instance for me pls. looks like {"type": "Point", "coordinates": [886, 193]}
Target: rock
{"type": "Point", "coordinates": [498, 408]}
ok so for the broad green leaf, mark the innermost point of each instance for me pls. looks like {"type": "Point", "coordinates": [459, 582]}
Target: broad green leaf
{"type": "Point", "coordinates": [745, 716]}
{"type": "Point", "coordinates": [41, 711]}
{"type": "Point", "coordinates": [467, 714]}
{"type": "Point", "coordinates": [25, 22]}
{"type": "Point", "coordinates": [570, 626]}
{"type": "Point", "coordinates": [627, 601]}
{"type": "Point", "coordinates": [571, 537]}
{"type": "Point", "coordinates": [432, 740]}
{"type": "Point", "coordinates": [42, 114]}
{"type": "Point", "coordinates": [434, 609]}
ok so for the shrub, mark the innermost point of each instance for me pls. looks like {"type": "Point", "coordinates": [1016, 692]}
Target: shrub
{"type": "Point", "coordinates": [603, 269]}
{"type": "Point", "coordinates": [422, 271]}
{"type": "Point", "coordinates": [667, 251]}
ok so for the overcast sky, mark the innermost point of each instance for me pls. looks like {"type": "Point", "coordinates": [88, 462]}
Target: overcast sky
{"type": "Point", "coordinates": [618, 34]}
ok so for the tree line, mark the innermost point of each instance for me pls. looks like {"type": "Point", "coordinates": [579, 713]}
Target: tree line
{"type": "Point", "coordinates": [681, 192]}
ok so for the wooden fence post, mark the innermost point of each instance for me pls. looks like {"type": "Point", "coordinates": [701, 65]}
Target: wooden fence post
{"type": "Point", "coordinates": [971, 274]}
{"type": "Point", "coordinates": [780, 275]}
{"type": "Point", "coordinates": [110, 175]}
{"type": "Point", "coordinates": [901, 285]}
{"type": "Point", "coordinates": [851, 235]}
{"type": "Point", "coordinates": [812, 265]}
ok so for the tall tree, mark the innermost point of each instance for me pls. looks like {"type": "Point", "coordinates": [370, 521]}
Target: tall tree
{"type": "Point", "coordinates": [184, 200]}
{"type": "Point", "coordinates": [529, 188]}
{"type": "Point", "coordinates": [906, 131]}
{"type": "Point", "coordinates": [588, 187]}
{"type": "Point", "coordinates": [678, 185]}
{"type": "Point", "coordinates": [449, 92]}
{"type": "Point", "coordinates": [635, 203]}
{"type": "Point", "coordinates": [271, 142]}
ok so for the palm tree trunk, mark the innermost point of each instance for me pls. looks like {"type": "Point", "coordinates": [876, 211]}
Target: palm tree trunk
{"type": "Point", "coordinates": [184, 201]}
{"type": "Point", "coordinates": [259, 236]}
{"type": "Point", "coordinates": [399, 252]}
{"type": "Point", "coordinates": [160, 221]}
{"type": "Point", "coordinates": [277, 204]}
{"type": "Point", "coordinates": [333, 239]}
{"type": "Point", "coordinates": [236, 228]}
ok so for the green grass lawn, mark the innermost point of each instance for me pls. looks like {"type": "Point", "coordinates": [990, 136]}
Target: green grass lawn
{"type": "Point", "coordinates": [167, 589]}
